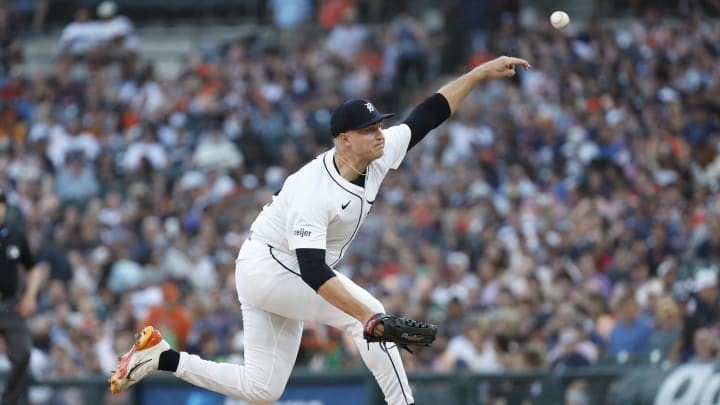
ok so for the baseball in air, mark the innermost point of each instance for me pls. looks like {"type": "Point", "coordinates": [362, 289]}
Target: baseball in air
{"type": "Point", "coordinates": [559, 19]}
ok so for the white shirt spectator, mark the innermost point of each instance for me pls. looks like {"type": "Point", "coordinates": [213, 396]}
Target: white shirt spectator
{"type": "Point", "coordinates": [120, 27]}
{"type": "Point", "coordinates": [463, 140]}
{"type": "Point", "coordinates": [442, 295]}
{"type": "Point", "coordinates": [346, 39]}
{"type": "Point", "coordinates": [80, 37]}
{"type": "Point", "coordinates": [116, 27]}
{"type": "Point", "coordinates": [150, 99]}
{"type": "Point", "coordinates": [41, 130]}
{"type": "Point", "coordinates": [57, 145]}
{"type": "Point", "coordinates": [147, 99]}
{"type": "Point", "coordinates": [85, 142]}
{"type": "Point", "coordinates": [61, 142]}
{"type": "Point", "coordinates": [462, 349]}
{"type": "Point", "coordinates": [221, 188]}
{"type": "Point", "coordinates": [216, 152]}
{"type": "Point", "coordinates": [203, 276]}
{"type": "Point", "coordinates": [152, 151]}
{"type": "Point", "coordinates": [143, 300]}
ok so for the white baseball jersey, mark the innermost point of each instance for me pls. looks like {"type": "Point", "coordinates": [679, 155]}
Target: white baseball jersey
{"type": "Point", "coordinates": [319, 209]}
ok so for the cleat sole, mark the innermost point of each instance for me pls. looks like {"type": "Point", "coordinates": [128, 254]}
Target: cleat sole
{"type": "Point", "coordinates": [148, 337]}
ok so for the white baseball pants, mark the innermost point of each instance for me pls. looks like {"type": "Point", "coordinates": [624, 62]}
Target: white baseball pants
{"type": "Point", "coordinates": [275, 303]}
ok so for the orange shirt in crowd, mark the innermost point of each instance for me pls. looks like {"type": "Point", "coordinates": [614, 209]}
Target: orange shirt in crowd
{"type": "Point", "coordinates": [170, 317]}
{"type": "Point", "coordinates": [331, 11]}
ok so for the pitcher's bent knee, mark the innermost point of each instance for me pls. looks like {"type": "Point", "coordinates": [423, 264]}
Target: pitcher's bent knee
{"type": "Point", "coordinates": [262, 395]}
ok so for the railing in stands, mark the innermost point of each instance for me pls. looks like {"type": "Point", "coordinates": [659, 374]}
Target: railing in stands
{"type": "Point", "coordinates": [359, 388]}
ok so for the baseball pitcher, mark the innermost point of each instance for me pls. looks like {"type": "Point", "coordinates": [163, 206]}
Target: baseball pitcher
{"type": "Point", "coordinates": [285, 270]}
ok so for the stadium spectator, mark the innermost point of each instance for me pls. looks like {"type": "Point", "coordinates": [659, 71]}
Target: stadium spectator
{"type": "Point", "coordinates": [291, 18]}
{"type": "Point", "coordinates": [171, 315]}
{"type": "Point", "coordinates": [572, 351]}
{"type": "Point", "coordinates": [81, 37]}
{"type": "Point", "coordinates": [475, 349]}
{"type": "Point", "coordinates": [405, 60]}
{"type": "Point", "coordinates": [289, 14]}
{"type": "Point", "coordinates": [701, 308]}
{"type": "Point", "coordinates": [218, 152]}
{"type": "Point", "coordinates": [330, 12]}
{"type": "Point", "coordinates": [76, 182]}
{"type": "Point", "coordinates": [347, 38]}
{"type": "Point", "coordinates": [631, 333]}
{"type": "Point", "coordinates": [146, 151]}
{"type": "Point", "coordinates": [118, 34]}
{"type": "Point", "coordinates": [704, 312]}
{"type": "Point", "coordinates": [665, 339]}
{"type": "Point", "coordinates": [705, 346]}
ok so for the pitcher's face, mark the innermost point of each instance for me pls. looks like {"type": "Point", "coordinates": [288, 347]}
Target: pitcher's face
{"type": "Point", "coordinates": [367, 143]}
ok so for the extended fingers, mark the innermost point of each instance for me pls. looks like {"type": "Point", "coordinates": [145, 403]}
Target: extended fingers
{"type": "Point", "coordinates": [521, 62]}
{"type": "Point", "coordinates": [511, 62]}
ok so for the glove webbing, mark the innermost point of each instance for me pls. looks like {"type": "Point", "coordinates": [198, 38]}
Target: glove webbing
{"type": "Point", "coordinates": [370, 330]}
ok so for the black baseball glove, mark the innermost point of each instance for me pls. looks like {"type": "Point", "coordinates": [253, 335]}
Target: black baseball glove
{"type": "Point", "coordinates": [401, 331]}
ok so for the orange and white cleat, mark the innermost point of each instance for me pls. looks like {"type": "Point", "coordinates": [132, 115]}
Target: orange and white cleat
{"type": "Point", "coordinates": [141, 360]}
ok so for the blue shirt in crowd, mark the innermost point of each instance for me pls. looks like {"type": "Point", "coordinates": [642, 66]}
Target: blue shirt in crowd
{"type": "Point", "coordinates": [633, 338]}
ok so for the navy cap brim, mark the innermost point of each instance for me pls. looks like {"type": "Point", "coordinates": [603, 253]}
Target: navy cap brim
{"type": "Point", "coordinates": [374, 120]}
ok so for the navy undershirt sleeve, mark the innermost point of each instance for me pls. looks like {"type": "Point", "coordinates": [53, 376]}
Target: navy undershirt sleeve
{"type": "Point", "coordinates": [313, 269]}
{"type": "Point", "coordinates": [426, 116]}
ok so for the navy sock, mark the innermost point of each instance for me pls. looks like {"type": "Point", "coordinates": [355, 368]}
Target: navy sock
{"type": "Point", "coordinates": [169, 360]}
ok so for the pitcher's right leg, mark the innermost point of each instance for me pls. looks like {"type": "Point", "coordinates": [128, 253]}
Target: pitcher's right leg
{"type": "Point", "coordinates": [271, 346]}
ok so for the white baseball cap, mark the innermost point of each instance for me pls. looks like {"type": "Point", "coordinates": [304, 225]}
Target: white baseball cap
{"type": "Point", "coordinates": [106, 9]}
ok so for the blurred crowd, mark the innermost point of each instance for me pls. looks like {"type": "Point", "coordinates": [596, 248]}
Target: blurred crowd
{"type": "Point", "coordinates": [563, 218]}
{"type": "Point", "coordinates": [110, 36]}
